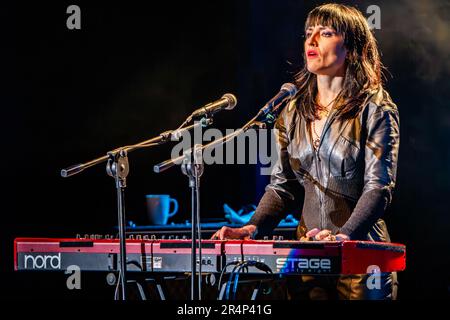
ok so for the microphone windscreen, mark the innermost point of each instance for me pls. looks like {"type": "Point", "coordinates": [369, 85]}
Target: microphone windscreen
{"type": "Point", "coordinates": [232, 101]}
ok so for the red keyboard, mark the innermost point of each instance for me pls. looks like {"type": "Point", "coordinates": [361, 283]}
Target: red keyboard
{"type": "Point", "coordinates": [290, 257]}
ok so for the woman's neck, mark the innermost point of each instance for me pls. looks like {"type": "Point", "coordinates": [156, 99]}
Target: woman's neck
{"type": "Point", "coordinates": [328, 88]}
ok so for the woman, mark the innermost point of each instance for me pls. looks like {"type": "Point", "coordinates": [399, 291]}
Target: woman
{"type": "Point", "coordinates": [338, 145]}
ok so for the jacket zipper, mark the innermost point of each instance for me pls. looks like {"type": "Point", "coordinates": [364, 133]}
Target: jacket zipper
{"type": "Point", "coordinates": [319, 172]}
{"type": "Point", "coordinates": [319, 169]}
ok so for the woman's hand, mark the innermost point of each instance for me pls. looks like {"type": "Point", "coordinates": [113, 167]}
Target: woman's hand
{"type": "Point", "coordinates": [244, 233]}
{"type": "Point", "coordinates": [326, 235]}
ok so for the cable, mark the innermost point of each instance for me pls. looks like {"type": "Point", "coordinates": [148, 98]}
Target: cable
{"type": "Point", "coordinates": [238, 268]}
{"type": "Point", "coordinates": [263, 267]}
{"type": "Point", "coordinates": [133, 262]}
{"type": "Point", "coordinates": [227, 291]}
{"type": "Point", "coordinates": [223, 272]}
{"type": "Point", "coordinates": [259, 265]}
{"type": "Point", "coordinates": [184, 123]}
{"type": "Point", "coordinates": [236, 278]}
{"type": "Point", "coordinates": [117, 286]}
{"type": "Point", "coordinates": [143, 145]}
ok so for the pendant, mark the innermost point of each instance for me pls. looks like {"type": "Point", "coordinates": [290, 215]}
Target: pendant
{"type": "Point", "coordinates": [316, 143]}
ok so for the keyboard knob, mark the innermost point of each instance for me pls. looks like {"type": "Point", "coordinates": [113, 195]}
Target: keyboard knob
{"type": "Point", "coordinates": [280, 238]}
{"type": "Point", "coordinates": [274, 238]}
{"type": "Point", "coordinates": [266, 237]}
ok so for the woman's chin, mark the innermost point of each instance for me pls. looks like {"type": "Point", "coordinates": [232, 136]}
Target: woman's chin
{"type": "Point", "coordinates": [323, 72]}
{"type": "Point", "coordinates": [313, 69]}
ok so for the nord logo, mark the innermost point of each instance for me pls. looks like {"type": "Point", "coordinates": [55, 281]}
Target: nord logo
{"type": "Point", "coordinates": [303, 263]}
{"type": "Point", "coordinates": [43, 261]}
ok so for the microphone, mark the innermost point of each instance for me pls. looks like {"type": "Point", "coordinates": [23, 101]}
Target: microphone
{"type": "Point", "coordinates": [228, 102]}
{"type": "Point", "coordinates": [287, 91]}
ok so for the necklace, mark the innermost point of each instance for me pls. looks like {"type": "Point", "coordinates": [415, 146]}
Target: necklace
{"type": "Point", "coordinates": [316, 141]}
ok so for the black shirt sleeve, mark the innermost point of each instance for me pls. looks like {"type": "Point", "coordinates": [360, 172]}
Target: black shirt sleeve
{"type": "Point", "coordinates": [381, 156]}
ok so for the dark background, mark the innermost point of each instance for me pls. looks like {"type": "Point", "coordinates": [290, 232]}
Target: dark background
{"type": "Point", "coordinates": [133, 71]}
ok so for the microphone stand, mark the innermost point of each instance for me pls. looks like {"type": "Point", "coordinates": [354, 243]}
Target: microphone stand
{"type": "Point", "coordinates": [118, 168]}
{"type": "Point", "coordinates": [192, 165]}
{"type": "Point", "coordinates": [193, 168]}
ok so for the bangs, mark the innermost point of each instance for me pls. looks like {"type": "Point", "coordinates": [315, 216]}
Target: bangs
{"type": "Point", "coordinates": [328, 16]}
{"type": "Point", "coordinates": [363, 67]}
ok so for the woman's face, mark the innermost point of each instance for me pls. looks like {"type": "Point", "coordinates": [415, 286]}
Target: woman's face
{"type": "Point", "coordinates": [325, 51]}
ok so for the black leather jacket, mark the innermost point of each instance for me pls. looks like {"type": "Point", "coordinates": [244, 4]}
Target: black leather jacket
{"type": "Point", "coordinates": [348, 182]}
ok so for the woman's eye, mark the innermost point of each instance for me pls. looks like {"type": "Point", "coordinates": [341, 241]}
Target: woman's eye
{"type": "Point", "coordinates": [327, 34]}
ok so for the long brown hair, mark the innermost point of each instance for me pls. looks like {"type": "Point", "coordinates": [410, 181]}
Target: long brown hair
{"type": "Point", "coordinates": [363, 74]}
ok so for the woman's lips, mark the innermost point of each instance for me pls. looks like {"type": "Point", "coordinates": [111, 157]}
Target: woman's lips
{"type": "Point", "coordinates": [311, 54]}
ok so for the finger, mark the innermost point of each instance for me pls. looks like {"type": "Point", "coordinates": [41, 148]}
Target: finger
{"type": "Point", "coordinates": [305, 239]}
{"type": "Point", "coordinates": [215, 236]}
{"type": "Point", "coordinates": [329, 236]}
{"type": "Point", "coordinates": [342, 237]}
{"type": "Point", "coordinates": [236, 233]}
{"type": "Point", "coordinates": [223, 233]}
{"type": "Point", "coordinates": [312, 233]}
{"type": "Point", "coordinates": [322, 235]}
{"type": "Point", "coordinates": [244, 233]}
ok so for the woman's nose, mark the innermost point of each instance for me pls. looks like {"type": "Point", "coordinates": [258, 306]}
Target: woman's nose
{"type": "Point", "coordinates": [312, 40]}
